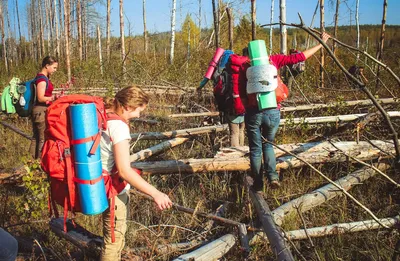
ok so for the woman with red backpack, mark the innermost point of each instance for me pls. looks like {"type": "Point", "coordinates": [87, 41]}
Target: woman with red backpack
{"type": "Point", "coordinates": [128, 103]}
{"type": "Point", "coordinates": [44, 96]}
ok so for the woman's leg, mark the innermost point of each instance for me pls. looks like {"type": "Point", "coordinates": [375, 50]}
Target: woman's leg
{"type": "Point", "coordinates": [112, 251]}
{"type": "Point", "coordinates": [253, 125]}
{"type": "Point", "coordinates": [269, 128]}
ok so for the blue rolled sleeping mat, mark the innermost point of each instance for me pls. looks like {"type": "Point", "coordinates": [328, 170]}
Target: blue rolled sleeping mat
{"type": "Point", "coordinates": [84, 124]}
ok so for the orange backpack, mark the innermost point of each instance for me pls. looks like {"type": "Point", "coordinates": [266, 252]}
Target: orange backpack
{"type": "Point", "coordinates": [58, 160]}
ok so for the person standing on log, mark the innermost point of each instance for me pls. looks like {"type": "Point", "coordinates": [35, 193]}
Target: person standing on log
{"type": "Point", "coordinates": [44, 97]}
{"type": "Point", "coordinates": [264, 123]}
{"type": "Point", "coordinates": [128, 103]}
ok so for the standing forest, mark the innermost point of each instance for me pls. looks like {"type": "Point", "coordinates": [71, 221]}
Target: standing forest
{"type": "Point", "coordinates": [337, 147]}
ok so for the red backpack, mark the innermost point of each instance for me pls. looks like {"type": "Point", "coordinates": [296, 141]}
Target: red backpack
{"type": "Point", "coordinates": [58, 161]}
{"type": "Point", "coordinates": [236, 69]}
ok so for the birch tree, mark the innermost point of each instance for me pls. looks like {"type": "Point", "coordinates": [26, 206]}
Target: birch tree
{"type": "Point", "coordinates": [66, 37]}
{"type": "Point", "coordinates": [282, 18]}
{"type": "Point", "coordinates": [3, 40]}
{"type": "Point", "coordinates": [121, 29]}
{"type": "Point", "coordinates": [171, 54]}
{"type": "Point", "coordinates": [144, 27]}
{"type": "Point", "coordinates": [99, 46]}
{"type": "Point", "coordinates": [271, 20]}
{"type": "Point", "coordinates": [108, 30]}
{"type": "Point", "coordinates": [57, 29]}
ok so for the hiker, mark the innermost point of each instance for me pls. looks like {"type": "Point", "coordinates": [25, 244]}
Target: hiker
{"type": "Point", "coordinates": [8, 246]}
{"type": "Point", "coordinates": [128, 103]}
{"type": "Point", "coordinates": [358, 72]}
{"type": "Point", "coordinates": [44, 96]}
{"type": "Point", "coordinates": [264, 123]}
{"type": "Point", "coordinates": [236, 122]}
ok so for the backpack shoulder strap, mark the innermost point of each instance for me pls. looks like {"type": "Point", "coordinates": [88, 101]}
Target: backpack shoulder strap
{"type": "Point", "coordinates": [42, 77]}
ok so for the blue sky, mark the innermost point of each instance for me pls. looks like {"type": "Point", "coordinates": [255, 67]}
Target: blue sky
{"type": "Point", "coordinates": [159, 12]}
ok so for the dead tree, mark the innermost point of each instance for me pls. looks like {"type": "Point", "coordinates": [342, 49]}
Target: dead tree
{"type": "Point", "coordinates": [66, 36]}
{"type": "Point", "coordinates": [173, 13]}
{"type": "Point", "coordinates": [19, 30]}
{"type": "Point", "coordinates": [336, 25]}
{"type": "Point", "coordinates": [282, 18]}
{"type": "Point", "coordinates": [144, 27]}
{"type": "Point", "coordinates": [3, 40]}
{"type": "Point", "coordinates": [199, 21]}
{"type": "Point", "coordinates": [322, 57]}
{"type": "Point", "coordinates": [57, 49]}
{"type": "Point", "coordinates": [99, 45]}
{"type": "Point", "coordinates": [358, 28]}
{"type": "Point", "coordinates": [122, 33]}
{"type": "Point", "coordinates": [108, 32]}
{"type": "Point", "coordinates": [79, 28]}
{"type": "Point", "coordinates": [381, 42]}
{"type": "Point", "coordinates": [271, 20]}
{"type": "Point", "coordinates": [230, 26]}
{"type": "Point", "coordinates": [216, 22]}
{"type": "Point", "coordinates": [253, 19]}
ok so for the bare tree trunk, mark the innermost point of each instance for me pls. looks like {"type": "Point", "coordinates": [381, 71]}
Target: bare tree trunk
{"type": "Point", "coordinates": [282, 18]}
{"type": "Point", "coordinates": [20, 55]}
{"type": "Point", "coordinates": [41, 29]}
{"type": "Point", "coordinates": [322, 28]}
{"type": "Point", "coordinates": [335, 34]}
{"type": "Point", "coordinates": [99, 45]}
{"type": "Point", "coordinates": [121, 30]}
{"type": "Point", "coordinates": [144, 27]}
{"type": "Point", "coordinates": [3, 40]}
{"type": "Point", "coordinates": [171, 54]}
{"type": "Point", "coordinates": [271, 20]}
{"type": "Point", "coordinates": [66, 36]}
{"type": "Point", "coordinates": [382, 40]}
{"type": "Point", "coordinates": [108, 31]}
{"type": "Point", "coordinates": [79, 28]}
{"type": "Point", "coordinates": [358, 28]}
{"type": "Point", "coordinates": [230, 25]}
{"type": "Point", "coordinates": [215, 24]}
{"type": "Point", "coordinates": [62, 29]}
{"type": "Point", "coordinates": [56, 28]}
{"type": "Point", "coordinates": [253, 20]}
{"type": "Point", "coordinates": [48, 26]}
{"type": "Point", "coordinates": [10, 36]}
{"type": "Point", "coordinates": [199, 21]}
{"type": "Point", "coordinates": [311, 24]}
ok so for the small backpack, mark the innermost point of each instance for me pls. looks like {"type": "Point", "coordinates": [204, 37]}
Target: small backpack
{"type": "Point", "coordinates": [27, 98]}
{"type": "Point", "coordinates": [220, 79]}
{"type": "Point", "coordinates": [57, 158]}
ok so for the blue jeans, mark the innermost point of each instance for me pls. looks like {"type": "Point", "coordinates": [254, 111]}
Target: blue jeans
{"type": "Point", "coordinates": [8, 246]}
{"type": "Point", "coordinates": [265, 123]}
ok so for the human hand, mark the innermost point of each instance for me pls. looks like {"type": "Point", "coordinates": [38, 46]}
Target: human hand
{"type": "Point", "coordinates": [325, 37]}
{"type": "Point", "coordinates": [162, 200]}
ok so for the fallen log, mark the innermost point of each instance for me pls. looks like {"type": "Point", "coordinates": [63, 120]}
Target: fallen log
{"type": "Point", "coordinates": [299, 108]}
{"type": "Point", "coordinates": [15, 129]}
{"type": "Point", "coordinates": [178, 133]}
{"type": "Point", "coordinates": [321, 152]}
{"type": "Point", "coordinates": [334, 229]}
{"type": "Point", "coordinates": [323, 194]}
{"type": "Point", "coordinates": [333, 119]}
{"type": "Point", "coordinates": [212, 251]}
{"type": "Point", "coordinates": [275, 237]}
{"type": "Point", "coordinates": [146, 153]}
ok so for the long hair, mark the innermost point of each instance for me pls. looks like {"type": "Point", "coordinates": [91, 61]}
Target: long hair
{"type": "Point", "coordinates": [48, 60]}
{"type": "Point", "coordinates": [130, 97]}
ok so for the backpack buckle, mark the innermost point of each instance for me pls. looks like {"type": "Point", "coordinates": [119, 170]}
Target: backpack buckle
{"type": "Point", "coordinates": [67, 152]}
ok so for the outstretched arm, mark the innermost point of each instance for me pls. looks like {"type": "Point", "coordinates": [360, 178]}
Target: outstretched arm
{"type": "Point", "coordinates": [309, 52]}
{"type": "Point", "coordinates": [121, 154]}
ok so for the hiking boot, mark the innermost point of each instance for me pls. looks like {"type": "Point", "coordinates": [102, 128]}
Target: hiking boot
{"type": "Point", "coordinates": [275, 184]}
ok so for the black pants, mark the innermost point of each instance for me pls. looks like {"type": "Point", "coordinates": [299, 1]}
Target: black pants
{"type": "Point", "coordinates": [8, 246]}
